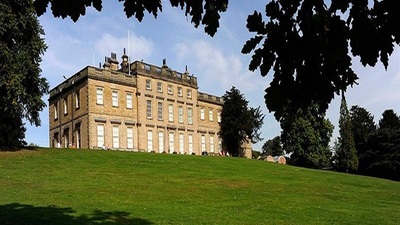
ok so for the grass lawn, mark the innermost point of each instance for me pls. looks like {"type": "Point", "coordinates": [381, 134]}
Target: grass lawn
{"type": "Point", "coordinates": [65, 186]}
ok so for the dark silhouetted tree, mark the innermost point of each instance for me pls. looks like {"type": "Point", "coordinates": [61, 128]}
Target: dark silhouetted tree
{"type": "Point", "coordinates": [239, 122]}
{"type": "Point", "coordinates": [273, 147]}
{"type": "Point", "coordinates": [346, 158]}
{"type": "Point", "coordinates": [390, 120]}
{"type": "Point", "coordinates": [21, 86]}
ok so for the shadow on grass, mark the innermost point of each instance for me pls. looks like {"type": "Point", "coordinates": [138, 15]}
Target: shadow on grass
{"type": "Point", "coordinates": [19, 214]}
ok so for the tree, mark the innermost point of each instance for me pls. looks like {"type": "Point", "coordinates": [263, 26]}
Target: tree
{"type": "Point", "coordinates": [346, 154]}
{"type": "Point", "coordinates": [273, 147]}
{"type": "Point", "coordinates": [21, 86]}
{"type": "Point", "coordinates": [239, 123]}
{"type": "Point", "coordinates": [306, 136]}
{"type": "Point", "coordinates": [363, 126]}
{"type": "Point", "coordinates": [390, 120]}
{"type": "Point", "coordinates": [309, 45]}
{"type": "Point", "coordinates": [206, 12]}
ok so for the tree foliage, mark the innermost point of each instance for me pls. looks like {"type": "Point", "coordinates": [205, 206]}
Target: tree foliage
{"type": "Point", "coordinates": [273, 147]}
{"type": "Point", "coordinates": [239, 122]}
{"type": "Point", "coordinates": [390, 120]}
{"type": "Point", "coordinates": [206, 12]}
{"type": "Point", "coordinates": [346, 158]}
{"type": "Point", "coordinates": [306, 136]}
{"type": "Point", "coordinates": [309, 46]}
{"type": "Point", "coordinates": [21, 86]}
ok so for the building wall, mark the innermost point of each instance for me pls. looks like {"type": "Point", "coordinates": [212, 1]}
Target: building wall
{"type": "Point", "coordinates": [98, 123]}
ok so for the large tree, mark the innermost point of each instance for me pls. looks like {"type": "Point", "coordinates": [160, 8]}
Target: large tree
{"type": "Point", "coordinates": [306, 136]}
{"type": "Point", "coordinates": [363, 126]}
{"type": "Point", "coordinates": [273, 147]}
{"type": "Point", "coordinates": [239, 122]}
{"type": "Point", "coordinates": [309, 45]}
{"type": "Point", "coordinates": [346, 158]}
{"type": "Point", "coordinates": [390, 120]}
{"type": "Point", "coordinates": [21, 86]}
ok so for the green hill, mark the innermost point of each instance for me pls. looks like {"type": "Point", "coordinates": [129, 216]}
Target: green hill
{"type": "Point", "coordinates": [64, 186]}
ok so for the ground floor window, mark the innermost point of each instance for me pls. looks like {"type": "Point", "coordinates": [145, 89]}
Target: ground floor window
{"type": "Point", "coordinates": [100, 136]}
{"type": "Point", "coordinates": [115, 137]}
{"type": "Point", "coordinates": [190, 140]}
{"type": "Point", "coordinates": [160, 141]}
{"type": "Point", "coordinates": [129, 137]}
{"type": "Point", "coordinates": [149, 140]}
{"type": "Point", "coordinates": [181, 150]}
{"type": "Point", "coordinates": [171, 142]}
{"type": "Point", "coordinates": [203, 143]}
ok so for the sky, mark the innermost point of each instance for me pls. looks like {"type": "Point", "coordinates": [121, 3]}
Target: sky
{"type": "Point", "coordinates": [216, 61]}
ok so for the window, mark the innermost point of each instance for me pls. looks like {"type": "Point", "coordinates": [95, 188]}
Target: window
{"type": "Point", "coordinates": [190, 115]}
{"type": "Point", "coordinates": [211, 115]}
{"type": "Point", "coordinates": [100, 136]}
{"type": "Point", "coordinates": [181, 143]}
{"type": "Point", "coordinates": [159, 87]}
{"type": "Point", "coordinates": [129, 137]}
{"type": "Point", "coordinates": [180, 92]}
{"type": "Point", "coordinates": [203, 143]}
{"type": "Point", "coordinates": [219, 117]}
{"type": "Point", "coordinates": [160, 111]}
{"type": "Point", "coordinates": [129, 100]}
{"type": "Point", "coordinates": [180, 114]}
{"type": "Point", "coordinates": [77, 100]}
{"type": "Point", "coordinates": [190, 140]}
{"type": "Point", "coordinates": [202, 113]}
{"type": "Point", "coordinates": [99, 96]}
{"type": "Point", "coordinates": [114, 96]}
{"type": "Point", "coordinates": [211, 143]}
{"type": "Point", "coordinates": [220, 145]}
{"type": "Point", "coordinates": [148, 109]}
{"type": "Point", "coordinates": [148, 84]}
{"type": "Point", "coordinates": [170, 91]}
{"type": "Point", "coordinates": [171, 142]}
{"type": "Point", "coordinates": [55, 111]}
{"type": "Point", "coordinates": [189, 93]}
{"type": "Point", "coordinates": [65, 105]}
{"type": "Point", "coordinates": [149, 140]}
{"type": "Point", "coordinates": [170, 113]}
{"type": "Point", "coordinates": [115, 137]}
{"type": "Point", "coordinates": [160, 141]}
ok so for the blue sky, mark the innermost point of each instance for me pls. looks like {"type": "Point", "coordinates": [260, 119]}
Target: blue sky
{"type": "Point", "coordinates": [216, 61]}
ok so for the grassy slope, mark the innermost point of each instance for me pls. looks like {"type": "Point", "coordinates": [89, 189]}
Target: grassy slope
{"type": "Point", "coordinates": [107, 187]}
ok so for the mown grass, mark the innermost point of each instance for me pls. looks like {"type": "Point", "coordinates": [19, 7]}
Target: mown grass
{"type": "Point", "coordinates": [64, 186]}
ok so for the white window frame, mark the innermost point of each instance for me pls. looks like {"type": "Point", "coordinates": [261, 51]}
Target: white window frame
{"type": "Point", "coordinates": [211, 143]}
{"type": "Point", "coordinates": [160, 141]}
{"type": "Point", "coordinates": [180, 91]}
{"type": "Point", "coordinates": [99, 96]}
{"type": "Point", "coordinates": [171, 137]}
{"type": "Point", "coordinates": [171, 113]}
{"type": "Point", "coordinates": [149, 140]}
{"type": "Point", "coordinates": [100, 135]}
{"type": "Point", "coordinates": [65, 102]}
{"type": "Point", "coordinates": [211, 115]}
{"type": "Point", "coordinates": [181, 143]}
{"type": "Point", "coordinates": [129, 100]}
{"type": "Point", "coordinates": [55, 111]}
{"type": "Point", "coordinates": [190, 142]}
{"type": "Point", "coordinates": [159, 87]}
{"type": "Point", "coordinates": [202, 116]}
{"type": "Point", "coordinates": [148, 109]}
{"type": "Point", "coordinates": [189, 93]}
{"type": "Point", "coordinates": [219, 117]}
{"type": "Point", "coordinates": [77, 100]}
{"type": "Point", "coordinates": [114, 98]}
{"type": "Point", "coordinates": [190, 115]}
{"type": "Point", "coordinates": [180, 114]}
{"type": "Point", "coordinates": [115, 133]}
{"type": "Point", "coordinates": [170, 90]}
{"type": "Point", "coordinates": [148, 84]}
{"type": "Point", "coordinates": [160, 111]}
{"type": "Point", "coordinates": [129, 137]}
{"type": "Point", "coordinates": [203, 143]}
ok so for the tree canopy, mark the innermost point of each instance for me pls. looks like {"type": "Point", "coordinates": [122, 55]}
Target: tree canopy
{"type": "Point", "coordinates": [306, 136]}
{"type": "Point", "coordinates": [309, 46]}
{"type": "Point", "coordinates": [239, 122]}
{"type": "Point", "coordinates": [21, 86]}
{"type": "Point", "coordinates": [206, 12]}
{"type": "Point", "coordinates": [273, 147]}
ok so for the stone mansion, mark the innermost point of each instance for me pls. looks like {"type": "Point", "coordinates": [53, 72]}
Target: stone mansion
{"type": "Point", "coordinates": [136, 107]}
